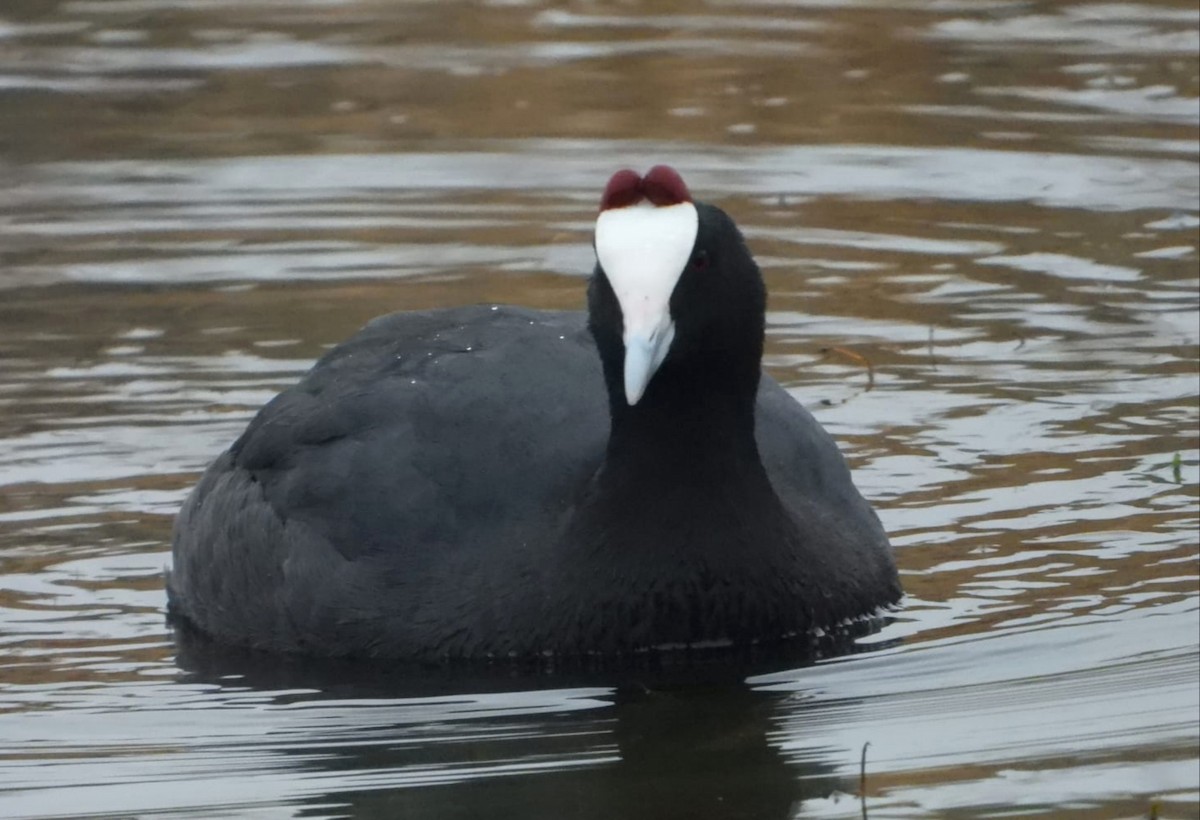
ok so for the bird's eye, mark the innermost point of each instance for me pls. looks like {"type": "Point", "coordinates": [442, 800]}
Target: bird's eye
{"type": "Point", "coordinates": [700, 260]}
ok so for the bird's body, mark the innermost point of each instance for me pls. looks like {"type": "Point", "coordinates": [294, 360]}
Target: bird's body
{"type": "Point", "coordinates": [475, 483]}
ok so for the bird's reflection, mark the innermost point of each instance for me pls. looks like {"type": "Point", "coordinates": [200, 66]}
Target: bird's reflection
{"type": "Point", "coordinates": [397, 742]}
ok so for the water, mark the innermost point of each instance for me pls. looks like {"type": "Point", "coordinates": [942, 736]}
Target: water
{"type": "Point", "coordinates": [979, 223]}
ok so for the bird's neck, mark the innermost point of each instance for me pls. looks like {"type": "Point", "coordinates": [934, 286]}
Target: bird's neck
{"type": "Point", "coordinates": [703, 440]}
{"type": "Point", "coordinates": [682, 519]}
{"type": "Point", "coordinates": [682, 456]}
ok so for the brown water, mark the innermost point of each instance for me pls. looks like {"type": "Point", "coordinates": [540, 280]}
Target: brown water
{"type": "Point", "coordinates": [995, 204]}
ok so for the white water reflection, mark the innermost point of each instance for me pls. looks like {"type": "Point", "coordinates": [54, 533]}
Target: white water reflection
{"type": "Point", "coordinates": [1069, 267]}
{"type": "Point", "coordinates": [1114, 28]}
{"type": "Point", "coordinates": [273, 736]}
{"type": "Point", "coordinates": [569, 167]}
{"type": "Point", "coordinates": [1086, 691]}
{"type": "Point", "coordinates": [1158, 102]}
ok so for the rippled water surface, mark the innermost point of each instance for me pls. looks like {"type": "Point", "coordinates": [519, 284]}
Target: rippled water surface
{"type": "Point", "coordinates": [979, 223]}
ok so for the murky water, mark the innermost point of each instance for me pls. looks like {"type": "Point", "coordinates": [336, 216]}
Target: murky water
{"type": "Point", "coordinates": [995, 204]}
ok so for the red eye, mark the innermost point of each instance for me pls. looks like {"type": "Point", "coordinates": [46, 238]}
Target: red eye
{"type": "Point", "coordinates": [700, 260]}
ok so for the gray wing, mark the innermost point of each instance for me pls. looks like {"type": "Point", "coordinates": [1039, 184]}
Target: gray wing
{"type": "Point", "coordinates": [378, 473]}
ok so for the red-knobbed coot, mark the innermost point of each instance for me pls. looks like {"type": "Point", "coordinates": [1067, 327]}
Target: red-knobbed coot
{"type": "Point", "coordinates": [487, 482]}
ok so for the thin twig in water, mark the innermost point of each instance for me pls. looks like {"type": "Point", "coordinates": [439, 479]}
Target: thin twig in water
{"type": "Point", "coordinates": [862, 780]}
{"type": "Point", "coordinates": [857, 357]}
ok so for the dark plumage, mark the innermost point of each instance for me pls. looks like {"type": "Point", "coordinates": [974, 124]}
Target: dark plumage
{"type": "Point", "coordinates": [444, 485]}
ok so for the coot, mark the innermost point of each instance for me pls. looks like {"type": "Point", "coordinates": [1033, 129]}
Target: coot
{"type": "Point", "coordinates": [489, 481]}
